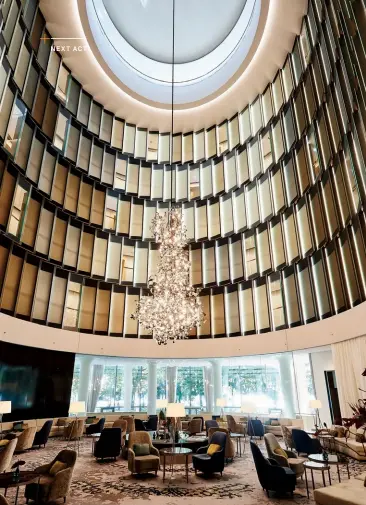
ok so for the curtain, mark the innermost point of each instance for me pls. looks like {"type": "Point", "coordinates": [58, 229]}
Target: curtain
{"type": "Point", "coordinates": [96, 383]}
{"type": "Point", "coordinates": [349, 359]}
{"type": "Point", "coordinates": [171, 377]}
{"type": "Point", "coordinates": [208, 388]}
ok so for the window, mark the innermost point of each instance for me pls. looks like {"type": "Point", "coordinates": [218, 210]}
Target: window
{"type": "Point", "coordinates": [191, 388]}
{"type": "Point", "coordinates": [139, 388]}
{"type": "Point", "coordinates": [112, 389]}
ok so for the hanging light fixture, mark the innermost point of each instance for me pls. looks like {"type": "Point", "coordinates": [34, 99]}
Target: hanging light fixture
{"type": "Point", "coordinates": [173, 307]}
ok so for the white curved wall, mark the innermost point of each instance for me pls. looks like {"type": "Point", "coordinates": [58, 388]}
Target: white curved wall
{"type": "Point", "coordinates": [349, 324]}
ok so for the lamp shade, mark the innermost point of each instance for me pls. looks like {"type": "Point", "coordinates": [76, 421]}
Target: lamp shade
{"type": "Point", "coordinates": [220, 402]}
{"type": "Point", "coordinates": [315, 404]}
{"type": "Point", "coordinates": [175, 410]}
{"type": "Point", "coordinates": [76, 407]}
{"type": "Point", "coordinates": [161, 403]}
{"type": "Point", "coordinates": [5, 407]}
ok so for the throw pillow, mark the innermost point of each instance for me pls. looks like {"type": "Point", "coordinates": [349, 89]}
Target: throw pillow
{"type": "Point", "coordinates": [4, 442]}
{"type": "Point", "coordinates": [91, 419]}
{"type": "Point", "coordinates": [333, 433]}
{"type": "Point", "coordinates": [57, 467]}
{"type": "Point", "coordinates": [341, 432]}
{"type": "Point", "coordinates": [141, 449]}
{"type": "Point", "coordinates": [212, 448]}
{"type": "Point", "coordinates": [360, 437]}
{"type": "Point", "coordinates": [280, 452]}
{"type": "Point", "coordinates": [61, 421]}
{"type": "Point", "coordinates": [18, 426]}
{"type": "Point", "coordinates": [275, 423]}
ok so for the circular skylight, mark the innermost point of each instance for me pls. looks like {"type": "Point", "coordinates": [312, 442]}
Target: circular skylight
{"type": "Point", "coordinates": [200, 27]}
{"type": "Point", "coordinates": [213, 38]}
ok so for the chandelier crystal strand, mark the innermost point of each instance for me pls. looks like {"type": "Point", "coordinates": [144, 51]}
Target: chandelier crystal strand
{"type": "Point", "coordinates": [173, 307]}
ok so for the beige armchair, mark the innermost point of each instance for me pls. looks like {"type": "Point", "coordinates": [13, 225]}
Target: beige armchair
{"type": "Point", "coordinates": [229, 446]}
{"type": "Point", "coordinates": [287, 436]}
{"type": "Point", "coordinates": [74, 430]}
{"type": "Point", "coordinates": [142, 464]}
{"type": "Point", "coordinates": [121, 423]}
{"type": "Point", "coordinates": [291, 461]}
{"type": "Point", "coordinates": [195, 426]}
{"type": "Point", "coordinates": [6, 453]}
{"type": "Point", "coordinates": [52, 488]}
{"type": "Point", "coordinates": [25, 439]}
{"type": "Point", "coordinates": [130, 423]}
{"type": "Point", "coordinates": [233, 426]}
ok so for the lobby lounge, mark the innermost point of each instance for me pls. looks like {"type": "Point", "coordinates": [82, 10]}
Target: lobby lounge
{"type": "Point", "coordinates": [182, 252]}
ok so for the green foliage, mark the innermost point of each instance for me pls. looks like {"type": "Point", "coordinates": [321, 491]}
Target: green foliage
{"type": "Point", "coordinates": [190, 386]}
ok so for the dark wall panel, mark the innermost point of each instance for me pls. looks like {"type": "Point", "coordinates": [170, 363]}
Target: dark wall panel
{"type": "Point", "coordinates": [37, 381]}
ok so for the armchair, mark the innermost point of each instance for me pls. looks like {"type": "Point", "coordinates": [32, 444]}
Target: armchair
{"type": "Point", "coordinates": [142, 464]}
{"type": "Point", "coordinates": [25, 439]}
{"type": "Point", "coordinates": [6, 455]}
{"type": "Point", "coordinates": [152, 423]}
{"type": "Point", "coordinates": [229, 446]}
{"type": "Point", "coordinates": [109, 444]}
{"type": "Point", "coordinates": [255, 428]}
{"type": "Point", "coordinates": [206, 463]}
{"type": "Point", "coordinates": [211, 423]}
{"type": "Point", "coordinates": [42, 435]}
{"type": "Point", "coordinates": [130, 423]}
{"type": "Point", "coordinates": [291, 461]}
{"type": "Point", "coordinates": [3, 500]}
{"type": "Point", "coordinates": [271, 476]}
{"type": "Point", "coordinates": [287, 436]}
{"type": "Point", "coordinates": [233, 426]}
{"type": "Point", "coordinates": [121, 423]}
{"type": "Point", "coordinates": [51, 487]}
{"type": "Point", "coordinates": [95, 427]}
{"type": "Point", "coordinates": [74, 430]}
{"type": "Point", "coordinates": [304, 444]}
{"type": "Point", "coordinates": [195, 426]}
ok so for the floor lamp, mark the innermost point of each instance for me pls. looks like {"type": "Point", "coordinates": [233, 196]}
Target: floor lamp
{"type": "Point", "coordinates": [316, 405]}
{"type": "Point", "coordinates": [75, 408]}
{"type": "Point", "coordinates": [5, 408]}
{"type": "Point", "coordinates": [221, 402]}
{"type": "Point", "coordinates": [175, 411]}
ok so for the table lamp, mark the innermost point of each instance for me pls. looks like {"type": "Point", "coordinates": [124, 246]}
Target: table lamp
{"type": "Point", "coordinates": [161, 403]}
{"type": "Point", "coordinates": [5, 408]}
{"type": "Point", "coordinates": [77, 407]}
{"type": "Point", "coordinates": [248, 408]}
{"type": "Point", "coordinates": [316, 405]}
{"type": "Point", "coordinates": [221, 402]}
{"type": "Point", "coordinates": [175, 410]}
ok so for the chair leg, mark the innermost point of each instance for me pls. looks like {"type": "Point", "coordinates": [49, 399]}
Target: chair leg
{"type": "Point", "coordinates": [64, 499]}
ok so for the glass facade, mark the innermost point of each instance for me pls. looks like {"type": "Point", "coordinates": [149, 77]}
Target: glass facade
{"type": "Point", "coordinates": [272, 198]}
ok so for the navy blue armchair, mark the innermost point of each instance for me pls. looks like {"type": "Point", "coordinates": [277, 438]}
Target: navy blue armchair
{"type": "Point", "coordinates": [95, 427]}
{"type": "Point", "coordinates": [255, 428]}
{"type": "Point", "coordinates": [271, 476]}
{"type": "Point", "coordinates": [211, 423]}
{"type": "Point", "coordinates": [304, 444]}
{"type": "Point", "coordinates": [211, 464]}
{"type": "Point", "coordinates": [42, 435]}
{"type": "Point", "coordinates": [109, 444]}
{"type": "Point", "coordinates": [152, 423]}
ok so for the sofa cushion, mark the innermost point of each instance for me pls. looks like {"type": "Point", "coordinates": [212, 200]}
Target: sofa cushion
{"type": "Point", "coordinates": [351, 492]}
{"type": "Point", "coordinates": [144, 463]}
{"type": "Point", "coordinates": [18, 426]}
{"type": "Point", "coordinates": [61, 421]}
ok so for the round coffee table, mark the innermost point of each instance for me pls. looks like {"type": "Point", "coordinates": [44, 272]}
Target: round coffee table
{"type": "Point", "coordinates": [25, 477]}
{"type": "Point", "coordinates": [332, 459]}
{"type": "Point", "coordinates": [321, 467]}
{"type": "Point", "coordinates": [171, 452]}
{"type": "Point", "coordinates": [238, 437]}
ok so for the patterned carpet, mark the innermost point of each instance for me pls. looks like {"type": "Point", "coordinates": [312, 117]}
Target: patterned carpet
{"type": "Point", "coordinates": [110, 483]}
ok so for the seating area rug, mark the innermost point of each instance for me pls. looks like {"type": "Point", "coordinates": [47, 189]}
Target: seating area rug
{"type": "Point", "coordinates": [110, 482]}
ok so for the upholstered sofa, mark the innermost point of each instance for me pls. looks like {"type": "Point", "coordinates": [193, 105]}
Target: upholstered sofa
{"type": "Point", "coordinates": [347, 492]}
{"type": "Point", "coordinates": [275, 425]}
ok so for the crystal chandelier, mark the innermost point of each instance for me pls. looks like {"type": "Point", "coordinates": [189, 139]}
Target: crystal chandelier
{"type": "Point", "coordinates": [173, 307]}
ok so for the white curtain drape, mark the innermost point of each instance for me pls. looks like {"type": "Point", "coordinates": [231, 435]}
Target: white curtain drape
{"type": "Point", "coordinates": [171, 377]}
{"type": "Point", "coordinates": [349, 359]}
{"type": "Point", "coordinates": [96, 384]}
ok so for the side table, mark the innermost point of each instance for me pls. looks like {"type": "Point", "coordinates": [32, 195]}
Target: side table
{"type": "Point", "coordinates": [171, 452]}
{"type": "Point", "coordinates": [333, 459]}
{"type": "Point", "coordinates": [238, 437]}
{"type": "Point", "coordinates": [312, 466]}
{"type": "Point", "coordinates": [95, 437]}
{"type": "Point", "coordinates": [25, 477]}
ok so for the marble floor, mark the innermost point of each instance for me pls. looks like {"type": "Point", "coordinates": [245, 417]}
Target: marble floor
{"type": "Point", "coordinates": [110, 483]}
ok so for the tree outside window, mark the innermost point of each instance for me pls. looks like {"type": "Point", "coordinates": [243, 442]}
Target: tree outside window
{"type": "Point", "coordinates": [139, 388]}
{"type": "Point", "coordinates": [191, 389]}
{"type": "Point", "coordinates": [112, 390]}
{"type": "Point", "coordinates": [161, 386]}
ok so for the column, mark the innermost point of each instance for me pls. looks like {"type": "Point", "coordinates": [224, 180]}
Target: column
{"type": "Point", "coordinates": [171, 377]}
{"type": "Point", "coordinates": [208, 388]}
{"type": "Point", "coordinates": [152, 386]}
{"type": "Point", "coordinates": [217, 383]}
{"type": "Point", "coordinates": [84, 378]}
{"type": "Point", "coordinates": [128, 387]}
{"type": "Point", "coordinates": [288, 386]}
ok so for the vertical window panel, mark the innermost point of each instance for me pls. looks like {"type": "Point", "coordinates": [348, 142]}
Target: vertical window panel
{"type": "Point", "coordinates": [42, 295]}
{"type": "Point", "coordinates": [261, 305]}
{"type": "Point", "coordinates": [291, 298]}
{"type": "Point", "coordinates": [87, 306]}
{"type": "Point", "coordinates": [305, 239]}
{"type": "Point", "coordinates": [246, 308]}
{"type": "Point", "coordinates": [209, 270]}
